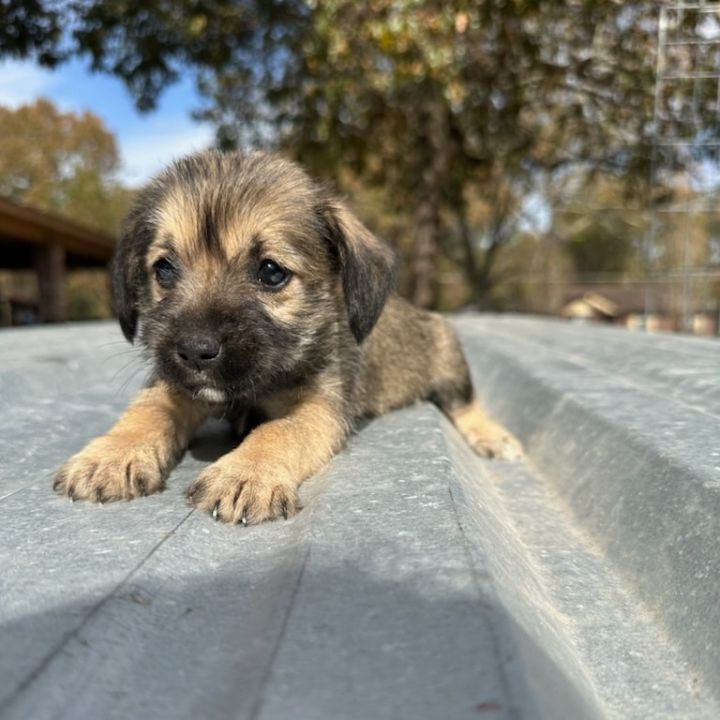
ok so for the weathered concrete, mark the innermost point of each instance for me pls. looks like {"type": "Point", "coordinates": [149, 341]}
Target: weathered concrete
{"type": "Point", "coordinates": [419, 581]}
{"type": "Point", "coordinates": [627, 427]}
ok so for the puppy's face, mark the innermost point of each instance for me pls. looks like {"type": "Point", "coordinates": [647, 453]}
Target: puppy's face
{"type": "Point", "coordinates": [239, 275]}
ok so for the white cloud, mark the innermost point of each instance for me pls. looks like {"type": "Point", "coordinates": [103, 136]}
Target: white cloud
{"type": "Point", "coordinates": [23, 82]}
{"type": "Point", "coordinates": [147, 142]}
{"type": "Point", "coordinates": [146, 152]}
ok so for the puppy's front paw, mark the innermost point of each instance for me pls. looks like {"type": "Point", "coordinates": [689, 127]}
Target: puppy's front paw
{"type": "Point", "coordinates": [112, 467]}
{"type": "Point", "coordinates": [237, 491]}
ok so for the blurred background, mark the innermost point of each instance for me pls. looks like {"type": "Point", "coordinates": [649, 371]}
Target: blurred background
{"type": "Point", "coordinates": [559, 158]}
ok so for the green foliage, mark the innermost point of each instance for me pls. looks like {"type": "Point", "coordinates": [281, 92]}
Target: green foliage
{"type": "Point", "coordinates": [31, 28]}
{"type": "Point", "coordinates": [602, 230]}
{"type": "Point", "coordinates": [451, 104]}
{"type": "Point", "coordinates": [454, 109]}
{"type": "Point", "coordinates": [148, 44]}
{"type": "Point", "coordinates": [88, 295]}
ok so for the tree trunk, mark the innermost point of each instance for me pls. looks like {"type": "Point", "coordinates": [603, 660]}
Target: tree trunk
{"type": "Point", "coordinates": [484, 284]}
{"type": "Point", "coordinates": [425, 260]}
{"type": "Point", "coordinates": [428, 225]}
{"type": "Point", "coordinates": [478, 273]}
{"type": "Point", "coordinates": [471, 268]}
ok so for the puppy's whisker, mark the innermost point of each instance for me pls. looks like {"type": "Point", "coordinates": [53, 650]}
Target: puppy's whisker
{"type": "Point", "coordinates": [123, 368]}
{"type": "Point", "coordinates": [133, 373]}
{"type": "Point", "coordinates": [122, 353]}
{"type": "Point", "coordinates": [112, 342]}
{"type": "Point", "coordinates": [125, 384]}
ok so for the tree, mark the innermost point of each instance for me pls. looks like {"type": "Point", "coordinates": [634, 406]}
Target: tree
{"type": "Point", "coordinates": [61, 162]}
{"type": "Point", "coordinates": [603, 230]}
{"type": "Point", "coordinates": [442, 103]}
{"type": "Point", "coordinates": [446, 103]}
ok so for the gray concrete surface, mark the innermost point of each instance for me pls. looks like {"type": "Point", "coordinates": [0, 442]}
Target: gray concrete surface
{"type": "Point", "coordinates": [627, 428]}
{"type": "Point", "coordinates": [419, 582]}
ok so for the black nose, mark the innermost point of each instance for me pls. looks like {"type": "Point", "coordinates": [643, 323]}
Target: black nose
{"type": "Point", "coordinates": [198, 351]}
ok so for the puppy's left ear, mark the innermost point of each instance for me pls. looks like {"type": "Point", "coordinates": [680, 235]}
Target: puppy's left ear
{"type": "Point", "coordinates": [366, 267]}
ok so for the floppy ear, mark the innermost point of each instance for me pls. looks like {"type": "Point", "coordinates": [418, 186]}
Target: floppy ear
{"type": "Point", "coordinates": [366, 268]}
{"type": "Point", "coordinates": [128, 273]}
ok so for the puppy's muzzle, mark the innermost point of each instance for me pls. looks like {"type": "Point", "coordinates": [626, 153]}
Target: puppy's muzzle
{"type": "Point", "coordinates": [200, 351]}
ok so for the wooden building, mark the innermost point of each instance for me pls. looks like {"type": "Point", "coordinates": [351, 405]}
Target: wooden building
{"type": "Point", "coordinates": [49, 245]}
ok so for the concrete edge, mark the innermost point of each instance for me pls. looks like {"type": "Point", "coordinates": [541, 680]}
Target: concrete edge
{"type": "Point", "coordinates": [655, 515]}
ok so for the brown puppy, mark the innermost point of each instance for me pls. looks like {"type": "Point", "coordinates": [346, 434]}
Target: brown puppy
{"type": "Point", "coordinates": [253, 290]}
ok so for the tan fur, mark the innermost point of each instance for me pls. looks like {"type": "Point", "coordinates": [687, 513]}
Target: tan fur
{"type": "Point", "coordinates": [483, 434]}
{"type": "Point", "coordinates": [243, 487]}
{"type": "Point", "coordinates": [175, 218]}
{"type": "Point", "coordinates": [326, 348]}
{"type": "Point", "coordinates": [136, 455]}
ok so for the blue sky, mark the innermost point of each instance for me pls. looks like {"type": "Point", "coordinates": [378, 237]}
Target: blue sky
{"type": "Point", "coordinates": [147, 141]}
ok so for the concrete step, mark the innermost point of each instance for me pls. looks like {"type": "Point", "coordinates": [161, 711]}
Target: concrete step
{"type": "Point", "coordinates": [419, 581]}
{"type": "Point", "coordinates": [627, 429]}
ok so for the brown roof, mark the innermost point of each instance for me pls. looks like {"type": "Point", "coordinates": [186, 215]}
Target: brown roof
{"type": "Point", "coordinates": [623, 299]}
{"type": "Point", "coordinates": [21, 226]}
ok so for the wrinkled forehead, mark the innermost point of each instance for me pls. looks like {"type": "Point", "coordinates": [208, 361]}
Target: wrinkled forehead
{"type": "Point", "coordinates": [231, 221]}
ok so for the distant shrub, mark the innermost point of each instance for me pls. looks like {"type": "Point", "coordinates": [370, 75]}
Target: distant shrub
{"type": "Point", "coordinates": [88, 295]}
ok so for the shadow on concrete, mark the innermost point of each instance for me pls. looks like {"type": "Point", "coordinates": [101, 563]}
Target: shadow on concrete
{"type": "Point", "coordinates": [333, 643]}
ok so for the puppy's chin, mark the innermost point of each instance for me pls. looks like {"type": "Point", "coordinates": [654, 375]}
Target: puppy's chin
{"type": "Point", "coordinates": [211, 395]}
{"type": "Point", "coordinates": [206, 389]}
{"type": "Point", "coordinates": [202, 391]}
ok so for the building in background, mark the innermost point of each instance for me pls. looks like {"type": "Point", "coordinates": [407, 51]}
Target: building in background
{"type": "Point", "coordinates": [37, 252]}
{"type": "Point", "coordinates": [627, 306]}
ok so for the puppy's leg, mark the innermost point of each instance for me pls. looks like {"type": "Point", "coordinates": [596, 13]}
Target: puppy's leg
{"type": "Point", "coordinates": [486, 437]}
{"type": "Point", "coordinates": [453, 393]}
{"type": "Point", "coordinates": [135, 457]}
{"type": "Point", "coordinates": [258, 480]}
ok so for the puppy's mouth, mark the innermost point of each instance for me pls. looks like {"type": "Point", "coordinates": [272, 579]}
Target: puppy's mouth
{"type": "Point", "coordinates": [207, 384]}
{"type": "Point", "coordinates": [198, 388]}
{"type": "Point", "coordinates": [201, 385]}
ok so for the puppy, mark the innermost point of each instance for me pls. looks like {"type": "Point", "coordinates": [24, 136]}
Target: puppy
{"type": "Point", "coordinates": [254, 291]}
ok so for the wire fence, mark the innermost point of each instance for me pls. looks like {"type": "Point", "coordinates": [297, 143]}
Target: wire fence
{"type": "Point", "coordinates": [676, 285]}
{"type": "Point", "coordinates": [686, 159]}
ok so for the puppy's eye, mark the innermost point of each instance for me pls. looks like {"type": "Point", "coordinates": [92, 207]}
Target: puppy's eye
{"type": "Point", "coordinates": [272, 275]}
{"type": "Point", "coordinates": [165, 272]}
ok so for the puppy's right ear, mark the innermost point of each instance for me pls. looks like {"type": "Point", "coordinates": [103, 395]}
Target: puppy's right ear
{"type": "Point", "coordinates": [129, 276]}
